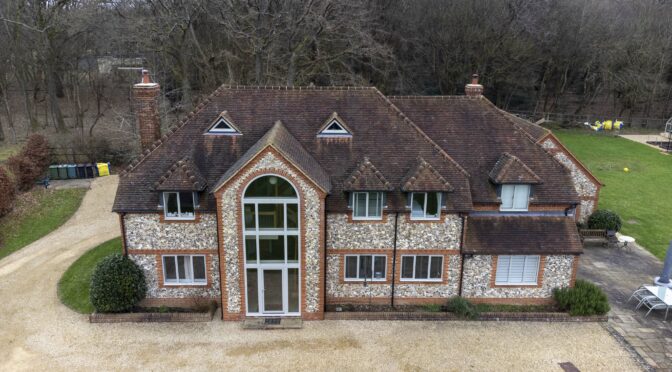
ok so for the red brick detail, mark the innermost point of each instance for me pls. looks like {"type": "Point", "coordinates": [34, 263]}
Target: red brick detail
{"type": "Point", "coordinates": [494, 207]}
{"type": "Point", "coordinates": [382, 220]}
{"type": "Point", "coordinates": [159, 264]}
{"type": "Point", "coordinates": [381, 252]}
{"type": "Point", "coordinates": [575, 269]}
{"type": "Point", "coordinates": [197, 219]}
{"type": "Point", "coordinates": [540, 275]}
{"type": "Point", "coordinates": [177, 302]}
{"type": "Point", "coordinates": [385, 300]}
{"type": "Point", "coordinates": [432, 252]}
{"type": "Point", "coordinates": [146, 101]}
{"type": "Point", "coordinates": [241, 241]}
{"type": "Point", "coordinates": [511, 301]}
{"type": "Point", "coordinates": [440, 220]}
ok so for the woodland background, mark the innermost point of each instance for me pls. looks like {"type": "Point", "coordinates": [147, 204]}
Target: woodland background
{"type": "Point", "coordinates": [66, 66]}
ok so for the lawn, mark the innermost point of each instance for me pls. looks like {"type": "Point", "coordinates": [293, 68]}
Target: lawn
{"type": "Point", "coordinates": [73, 288]}
{"type": "Point", "coordinates": [7, 151]}
{"type": "Point", "coordinates": [638, 196]}
{"type": "Point", "coordinates": [36, 214]}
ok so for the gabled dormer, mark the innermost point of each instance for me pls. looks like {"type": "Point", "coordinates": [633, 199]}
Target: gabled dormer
{"type": "Point", "coordinates": [514, 180]}
{"type": "Point", "coordinates": [224, 125]}
{"type": "Point", "coordinates": [426, 189]}
{"type": "Point", "coordinates": [334, 126]}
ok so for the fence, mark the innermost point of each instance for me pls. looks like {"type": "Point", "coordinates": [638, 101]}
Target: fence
{"type": "Point", "coordinates": [629, 122]}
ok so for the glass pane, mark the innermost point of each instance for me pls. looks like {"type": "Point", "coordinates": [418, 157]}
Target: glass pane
{"type": "Point", "coordinates": [436, 267]}
{"type": "Point", "coordinates": [407, 267]}
{"type": "Point", "coordinates": [520, 196]}
{"type": "Point", "coordinates": [418, 205]}
{"type": "Point", "coordinates": [182, 262]}
{"type": "Point", "coordinates": [272, 290]}
{"type": "Point", "coordinates": [171, 204]}
{"type": "Point", "coordinates": [252, 291]}
{"type": "Point", "coordinates": [360, 204]}
{"type": "Point", "coordinates": [421, 267]}
{"type": "Point", "coordinates": [271, 216]}
{"type": "Point", "coordinates": [375, 204]}
{"type": "Point", "coordinates": [292, 216]}
{"type": "Point", "coordinates": [169, 270]}
{"type": "Point", "coordinates": [198, 263]}
{"type": "Point", "coordinates": [271, 248]}
{"type": "Point", "coordinates": [270, 186]}
{"type": "Point", "coordinates": [433, 204]}
{"type": "Point", "coordinates": [507, 197]}
{"type": "Point", "coordinates": [292, 248]}
{"type": "Point", "coordinates": [502, 274]}
{"type": "Point", "coordinates": [186, 204]}
{"type": "Point", "coordinates": [293, 290]}
{"type": "Point", "coordinates": [351, 267]}
{"type": "Point", "coordinates": [249, 217]}
{"type": "Point", "coordinates": [365, 267]}
{"type": "Point", "coordinates": [251, 249]}
{"type": "Point", "coordinates": [379, 267]}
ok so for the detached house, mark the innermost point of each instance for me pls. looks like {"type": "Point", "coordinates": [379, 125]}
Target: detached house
{"type": "Point", "coordinates": [281, 201]}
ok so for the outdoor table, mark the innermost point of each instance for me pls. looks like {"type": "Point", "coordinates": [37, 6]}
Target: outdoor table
{"type": "Point", "coordinates": [663, 293]}
{"type": "Point", "coordinates": [625, 240]}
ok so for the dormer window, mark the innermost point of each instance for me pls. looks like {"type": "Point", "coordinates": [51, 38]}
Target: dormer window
{"type": "Point", "coordinates": [425, 205]}
{"type": "Point", "coordinates": [179, 205]}
{"type": "Point", "coordinates": [367, 205]}
{"type": "Point", "coordinates": [334, 127]}
{"type": "Point", "coordinates": [223, 125]}
{"type": "Point", "coordinates": [515, 198]}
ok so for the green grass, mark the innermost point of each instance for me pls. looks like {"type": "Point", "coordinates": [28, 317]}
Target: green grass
{"type": "Point", "coordinates": [639, 196]}
{"type": "Point", "coordinates": [7, 151]}
{"type": "Point", "coordinates": [36, 214]}
{"type": "Point", "coordinates": [73, 288]}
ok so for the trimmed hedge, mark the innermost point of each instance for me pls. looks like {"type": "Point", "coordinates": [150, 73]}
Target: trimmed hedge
{"type": "Point", "coordinates": [604, 219]}
{"type": "Point", "coordinates": [584, 299]}
{"type": "Point", "coordinates": [462, 308]}
{"type": "Point", "coordinates": [117, 284]}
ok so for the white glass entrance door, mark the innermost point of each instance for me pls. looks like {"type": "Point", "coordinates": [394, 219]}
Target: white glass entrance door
{"type": "Point", "coordinates": [271, 229]}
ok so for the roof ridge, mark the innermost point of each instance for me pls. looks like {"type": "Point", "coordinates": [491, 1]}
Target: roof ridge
{"type": "Point", "coordinates": [505, 115]}
{"type": "Point", "coordinates": [169, 133]}
{"type": "Point", "coordinates": [296, 88]}
{"type": "Point", "coordinates": [424, 135]}
{"type": "Point", "coordinates": [422, 97]}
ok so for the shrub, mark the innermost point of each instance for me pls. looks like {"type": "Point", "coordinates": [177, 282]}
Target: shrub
{"type": "Point", "coordinates": [117, 284]}
{"type": "Point", "coordinates": [7, 192]}
{"type": "Point", "coordinates": [37, 150]}
{"type": "Point", "coordinates": [462, 308]}
{"type": "Point", "coordinates": [604, 219]}
{"type": "Point", "coordinates": [25, 171]}
{"type": "Point", "coordinates": [584, 299]}
{"type": "Point", "coordinates": [432, 308]}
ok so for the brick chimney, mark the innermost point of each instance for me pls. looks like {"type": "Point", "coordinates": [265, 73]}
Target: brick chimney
{"type": "Point", "coordinates": [146, 97]}
{"type": "Point", "coordinates": [474, 89]}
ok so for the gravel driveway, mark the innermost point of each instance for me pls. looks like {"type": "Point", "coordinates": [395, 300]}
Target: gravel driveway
{"type": "Point", "coordinates": [38, 333]}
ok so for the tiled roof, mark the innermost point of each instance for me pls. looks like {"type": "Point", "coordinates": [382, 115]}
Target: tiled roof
{"type": "Point", "coordinates": [521, 235]}
{"type": "Point", "coordinates": [181, 176]}
{"type": "Point", "coordinates": [424, 177]}
{"type": "Point", "coordinates": [280, 139]}
{"type": "Point", "coordinates": [366, 177]}
{"type": "Point", "coordinates": [381, 133]}
{"type": "Point", "coordinates": [510, 169]}
{"type": "Point", "coordinates": [475, 133]}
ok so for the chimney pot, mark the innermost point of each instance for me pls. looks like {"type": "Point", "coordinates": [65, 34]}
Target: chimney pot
{"type": "Point", "coordinates": [474, 89]}
{"type": "Point", "coordinates": [146, 102]}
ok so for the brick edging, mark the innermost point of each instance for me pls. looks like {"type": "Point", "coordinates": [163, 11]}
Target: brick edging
{"type": "Point", "coordinates": [506, 316]}
{"type": "Point", "coordinates": [149, 317]}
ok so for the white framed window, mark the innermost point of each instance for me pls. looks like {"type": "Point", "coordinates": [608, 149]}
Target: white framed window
{"type": "Point", "coordinates": [184, 269]}
{"type": "Point", "coordinates": [515, 198]}
{"type": "Point", "coordinates": [367, 205]}
{"type": "Point", "coordinates": [334, 128]}
{"type": "Point", "coordinates": [517, 270]}
{"type": "Point", "coordinates": [425, 205]}
{"type": "Point", "coordinates": [222, 126]}
{"type": "Point", "coordinates": [365, 267]}
{"type": "Point", "coordinates": [421, 268]}
{"type": "Point", "coordinates": [179, 205]}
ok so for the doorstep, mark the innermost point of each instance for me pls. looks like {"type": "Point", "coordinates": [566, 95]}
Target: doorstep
{"type": "Point", "coordinates": [272, 323]}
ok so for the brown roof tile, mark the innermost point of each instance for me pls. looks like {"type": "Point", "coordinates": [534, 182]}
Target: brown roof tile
{"type": "Point", "coordinates": [521, 235]}
{"type": "Point", "coordinates": [423, 177]}
{"type": "Point", "coordinates": [181, 176]}
{"type": "Point", "coordinates": [510, 169]}
{"type": "Point", "coordinates": [366, 177]}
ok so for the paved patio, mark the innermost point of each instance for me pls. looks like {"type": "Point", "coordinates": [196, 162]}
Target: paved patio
{"type": "Point", "coordinates": [619, 273]}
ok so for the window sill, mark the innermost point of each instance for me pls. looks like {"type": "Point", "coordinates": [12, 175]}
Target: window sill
{"type": "Point", "coordinates": [383, 280]}
{"type": "Point", "coordinates": [193, 284]}
{"type": "Point", "coordinates": [516, 284]}
{"type": "Point", "coordinates": [514, 210]}
{"type": "Point", "coordinates": [367, 218]}
{"type": "Point", "coordinates": [425, 218]}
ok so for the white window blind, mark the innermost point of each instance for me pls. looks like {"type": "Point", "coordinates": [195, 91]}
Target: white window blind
{"type": "Point", "coordinates": [515, 197]}
{"type": "Point", "coordinates": [521, 270]}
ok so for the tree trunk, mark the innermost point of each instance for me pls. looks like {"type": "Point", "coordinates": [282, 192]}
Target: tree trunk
{"type": "Point", "coordinates": [52, 93]}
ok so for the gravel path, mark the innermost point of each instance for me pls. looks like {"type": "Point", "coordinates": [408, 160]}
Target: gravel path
{"type": "Point", "coordinates": [38, 333]}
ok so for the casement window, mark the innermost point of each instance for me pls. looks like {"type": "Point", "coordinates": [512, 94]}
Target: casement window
{"type": "Point", "coordinates": [421, 268]}
{"type": "Point", "coordinates": [184, 269]}
{"type": "Point", "coordinates": [365, 267]}
{"type": "Point", "coordinates": [517, 270]}
{"type": "Point", "coordinates": [179, 205]}
{"type": "Point", "coordinates": [367, 205]}
{"type": "Point", "coordinates": [425, 205]}
{"type": "Point", "coordinates": [515, 198]}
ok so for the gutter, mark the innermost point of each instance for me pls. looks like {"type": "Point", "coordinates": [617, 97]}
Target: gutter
{"type": "Point", "coordinates": [464, 232]}
{"type": "Point", "coordinates": [394, 256]}
{"type": "Point", "coordinates": [123, 233]}
{"type": "Point", "coordinates": [324, 261]}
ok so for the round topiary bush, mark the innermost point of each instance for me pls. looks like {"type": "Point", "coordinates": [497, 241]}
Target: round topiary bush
{"type": "Point", "coordinates": [584, 299]}
{"type": "Point", "coordinates": [117, 284]}
{"type": "Point", "coordinates": [604, 219]}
